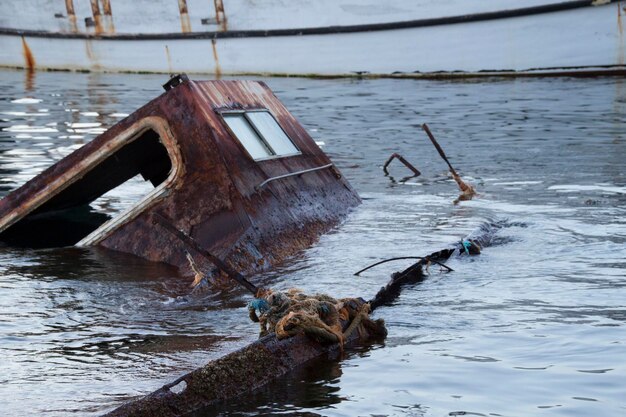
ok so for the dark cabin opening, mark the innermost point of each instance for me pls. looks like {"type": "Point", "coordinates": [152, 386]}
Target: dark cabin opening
{"type": "Point", "coordinates": [67, 218]}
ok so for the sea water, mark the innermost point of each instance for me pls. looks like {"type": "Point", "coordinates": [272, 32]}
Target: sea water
{"type": "Point", "coordinates": [534, 326]}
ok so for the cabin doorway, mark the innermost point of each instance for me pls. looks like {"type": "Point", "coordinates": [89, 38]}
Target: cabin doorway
{"type": "Point", "coordinates": [116, 184]}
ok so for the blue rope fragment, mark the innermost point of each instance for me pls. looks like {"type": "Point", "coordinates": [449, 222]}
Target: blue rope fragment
{"type": "Point", "coordinates": [259, 304]}
{"type": "Point", "coordinates": [466, 246]}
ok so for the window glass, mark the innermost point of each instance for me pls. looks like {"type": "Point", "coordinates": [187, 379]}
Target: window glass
{"type": "Point", "coordinates": [272, 133]}
{"type": "Point", "coordinates": [247, 135]}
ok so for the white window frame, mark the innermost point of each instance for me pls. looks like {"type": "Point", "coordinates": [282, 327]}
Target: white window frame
{"type": "Point", "coordinates": [266, 142]}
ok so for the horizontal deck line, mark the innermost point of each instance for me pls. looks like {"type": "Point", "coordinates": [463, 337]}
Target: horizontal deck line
{"type": "Point", "coordinates": [328, 30]}
{"type": "Point", "coordinates": [577, 71]}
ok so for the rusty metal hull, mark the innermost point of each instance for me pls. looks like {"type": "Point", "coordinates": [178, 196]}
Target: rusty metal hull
{"type": "Point", "coordinates": [211, 191]}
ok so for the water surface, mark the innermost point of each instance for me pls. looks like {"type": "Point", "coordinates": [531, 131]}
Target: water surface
{"type": "Point", "coordinates": [534, 326]}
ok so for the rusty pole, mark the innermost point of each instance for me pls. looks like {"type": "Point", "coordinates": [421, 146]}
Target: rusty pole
{"type": "Point", "coordinates": [69, 6]}
{"type": "Point", "coordinates": [108, 15]}
{"type": "Point", "coordinates": [464, 187]}
{"type": "Point", "coordinates": [220, 15]}
{"type": "Point", "coordinates": [185, 23]}
{"type": "Point", "coordinates": [106, 7]}
{"type": "Point", "coordinates": [71, 15]}
{"type": "Point", "coordinates": [188, 240]}
{"type": "Point", "coordinates": [95, 11]}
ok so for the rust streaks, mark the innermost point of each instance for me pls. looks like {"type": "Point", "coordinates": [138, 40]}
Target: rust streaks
{"type": "Point", "coordinates": [218, 69]}
{"type": "Point", "coordinates": [106, 7]}
{"type": "Point", "coordinates": [108, 16]}
{"type": "Point", "coordinates": [71, 15]}
{"type": "Point", "coordinates": [220, 15]}
{"type": "Point", "coordinates": [29, 80]}
{"type": "Point", "coordinates": [620, 27]}
{"type": "Point", "coordinates": [73, 24]}
{"type": "Point", "coordinates": [97, 16]}
{"type": "Point", "coordinates": [69, 7]}
{"type": "Point", "coordinates": [185, 23]}
{"type": "Point", "coordinates": [89, 50]}
{"type": "Point", "coordinates": [29, 58]}
{"type": "Point", "coordinates": [169, 60]}
{"type": "Point", "coordinates": [92, 55]}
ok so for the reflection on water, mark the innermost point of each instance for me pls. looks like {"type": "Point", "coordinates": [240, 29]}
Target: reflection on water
{"type": "Point", "coordinates": [534, 325]}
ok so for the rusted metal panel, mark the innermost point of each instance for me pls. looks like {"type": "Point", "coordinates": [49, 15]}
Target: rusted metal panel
{"type": "Point", "coordinates": [211, 192]}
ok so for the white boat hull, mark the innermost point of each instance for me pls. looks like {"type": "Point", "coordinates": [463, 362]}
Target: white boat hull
{"type": "Point", "coordinates": [582, 39]}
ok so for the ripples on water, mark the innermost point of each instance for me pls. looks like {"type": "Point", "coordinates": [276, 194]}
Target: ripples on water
{"type": "Point", "coordinates": [534, 326]}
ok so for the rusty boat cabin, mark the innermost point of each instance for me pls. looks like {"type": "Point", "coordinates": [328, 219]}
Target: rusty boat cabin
{"type": "Point", "coordinates": [229, 166]}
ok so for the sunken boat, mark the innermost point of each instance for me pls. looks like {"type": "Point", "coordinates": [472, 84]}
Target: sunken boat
{"type": "Point", "coordinates": [238, 181]}
{"type": "Point", "coordinates": [229, 165]}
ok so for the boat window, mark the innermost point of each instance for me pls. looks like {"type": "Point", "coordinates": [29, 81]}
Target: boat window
{"type": "Point", "coordinates": [272, 133]}
{"type": "Point", "coordinates": [260, 134]}
{"type": "Point", "coordinates": [246, 134]}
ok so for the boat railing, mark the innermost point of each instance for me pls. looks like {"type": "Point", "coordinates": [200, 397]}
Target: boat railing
{"type": "Point", "coordinates": [292, 174]}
